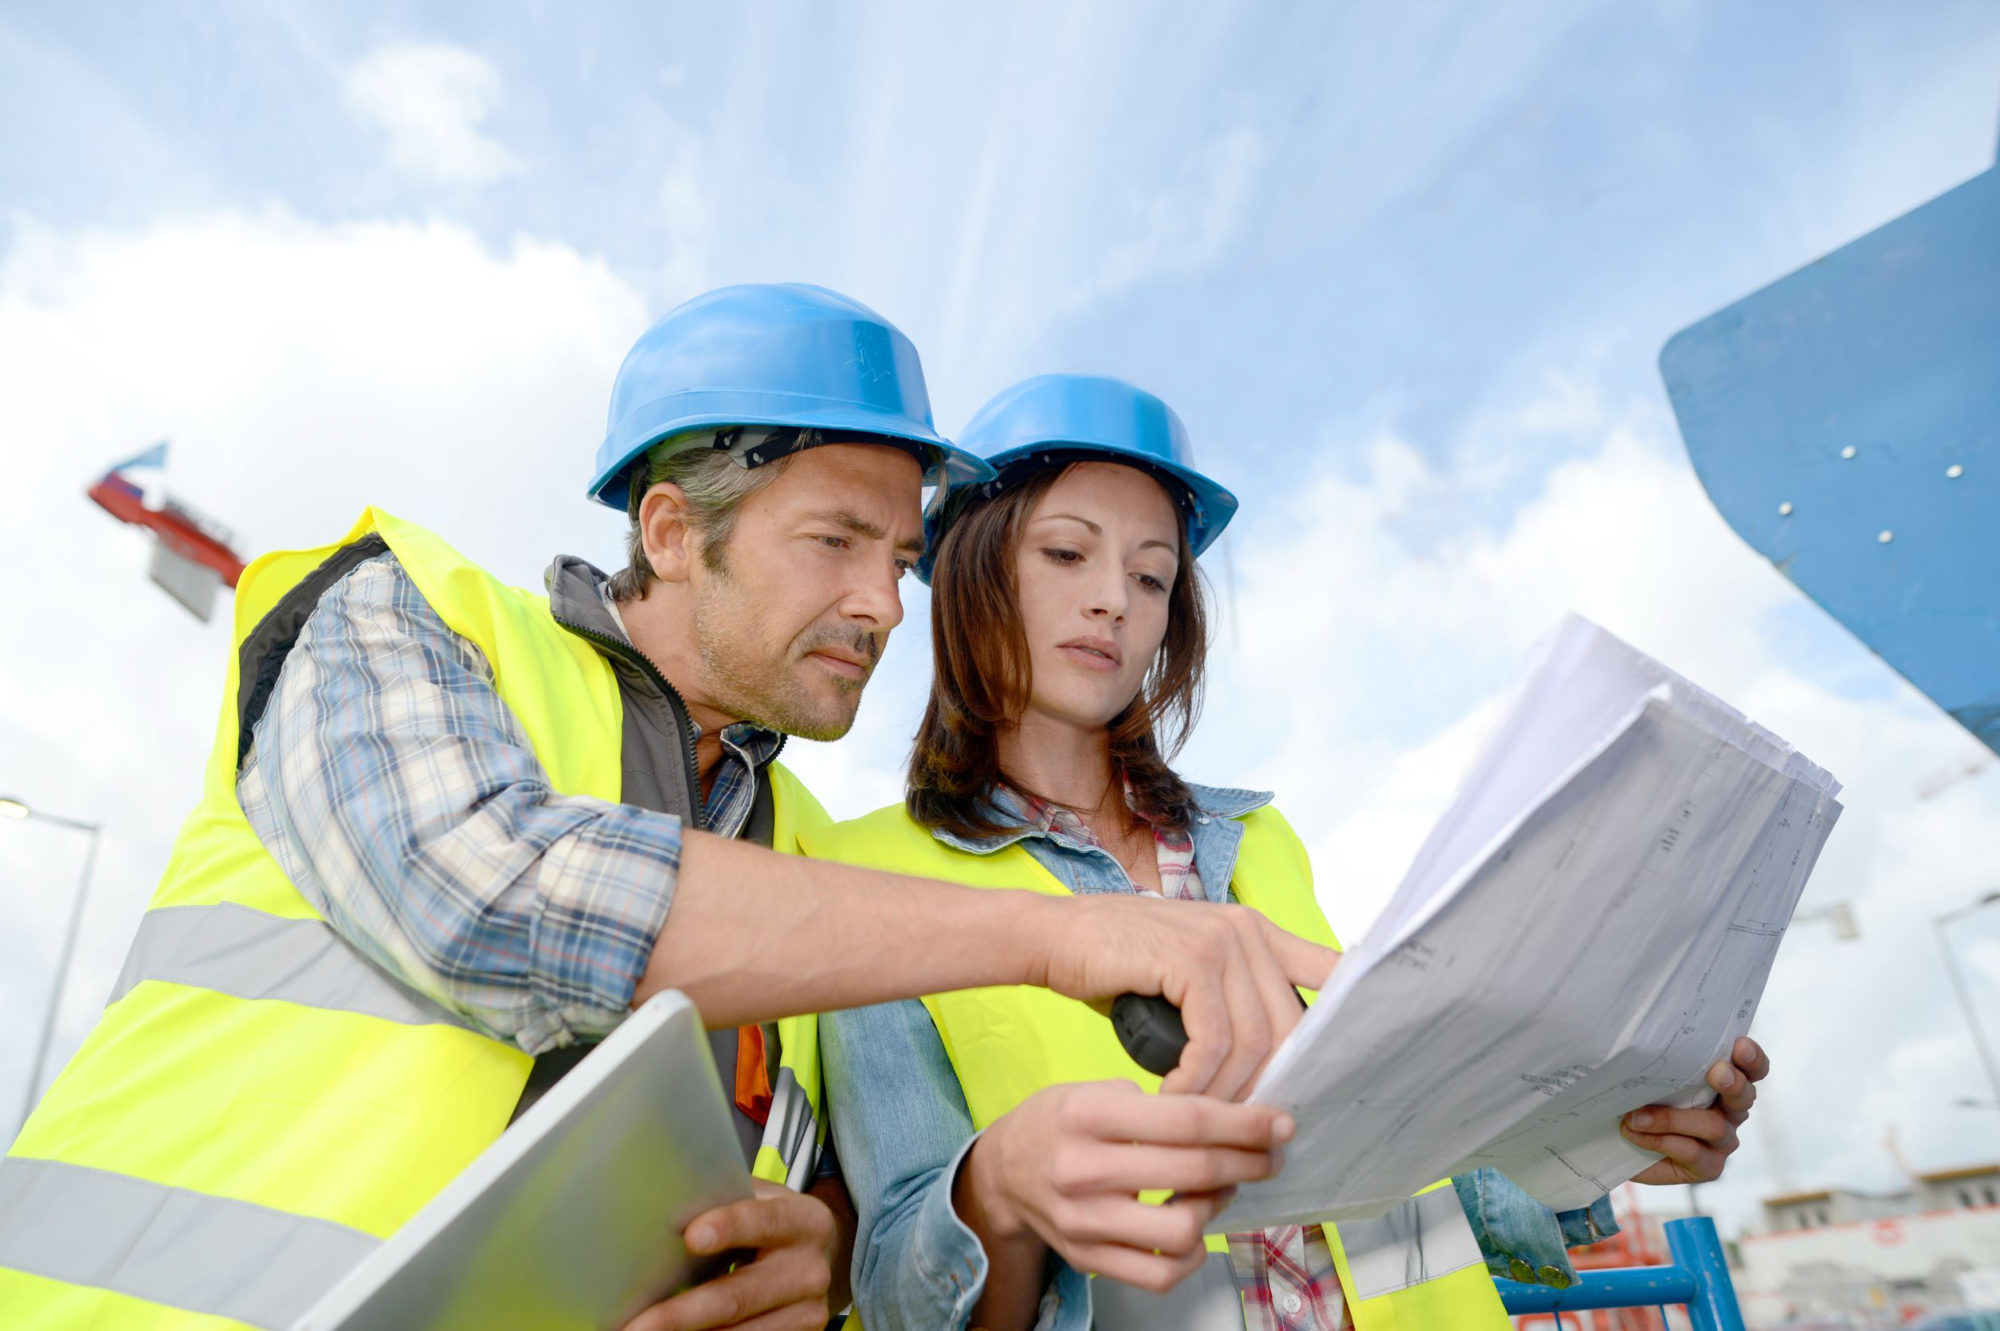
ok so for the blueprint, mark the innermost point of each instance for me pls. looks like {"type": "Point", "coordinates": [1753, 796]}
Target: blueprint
{"type": "Point", "coordinates": [1586, 930]}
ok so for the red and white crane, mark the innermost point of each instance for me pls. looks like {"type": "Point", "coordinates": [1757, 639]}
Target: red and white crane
{"type": "Point", "coordinates": [193, 554]}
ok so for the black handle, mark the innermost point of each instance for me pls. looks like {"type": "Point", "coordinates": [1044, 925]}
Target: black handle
{"type": "Point", "coordinates": [1150, 1029]}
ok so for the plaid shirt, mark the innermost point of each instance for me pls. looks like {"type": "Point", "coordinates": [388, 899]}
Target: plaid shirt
{"type": "Point", "coordinates": [1286, 1275]}
{"type": "Point", "coordinates": [402, 798]}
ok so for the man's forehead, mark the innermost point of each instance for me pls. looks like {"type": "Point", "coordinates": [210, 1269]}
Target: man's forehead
{"type": "Point", "coordinates": [875, 452]}
{"type": "Point", "coordinates": [878, 482]}
{"type": "Point", "coordinates": [864, 459]}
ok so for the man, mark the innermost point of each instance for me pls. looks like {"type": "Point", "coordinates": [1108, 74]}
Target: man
{"type": "Point", "coordinates": [452, 832]}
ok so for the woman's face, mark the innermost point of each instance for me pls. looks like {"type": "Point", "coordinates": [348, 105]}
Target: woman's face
{"type": "Point", "coordinates": [1097, 558]}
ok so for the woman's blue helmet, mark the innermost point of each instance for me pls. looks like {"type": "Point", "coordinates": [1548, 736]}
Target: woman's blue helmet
{"type": "Point", "coordinates": [1055, 419]}
{"type": "Point", "coordinates": [757, 370]}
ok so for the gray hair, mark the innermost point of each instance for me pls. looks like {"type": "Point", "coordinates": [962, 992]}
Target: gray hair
{"type": "Point", "coordinates": [715, 485]}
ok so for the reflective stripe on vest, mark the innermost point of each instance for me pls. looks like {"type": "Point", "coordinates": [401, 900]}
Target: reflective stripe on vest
{"type": "Point", "coordinates": [794, 1131]}
{"type": "Point", "coordinates": [252, 1064]}
{"type": "Point", "coordinates": [1424, 1239]}
{"type": "Point", "coordinates": [166, 1245]}
{"type": "Point", "coordinates": [1208, 1300]}
{"type": "Point", "coordinates": [235, 950]}
{"type": "Point", "coordinates": [789, 1152]}
{"type": "Point", "coordinates": [1408, 1275]}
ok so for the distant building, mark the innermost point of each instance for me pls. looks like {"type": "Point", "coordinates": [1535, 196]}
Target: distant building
{"type": "Point", "coordinates": [1950, 1189]}
{"type": "Point", "coordinates": [1874, 1258]}
{"type": "Point", "coordinates": [1830, 1206]}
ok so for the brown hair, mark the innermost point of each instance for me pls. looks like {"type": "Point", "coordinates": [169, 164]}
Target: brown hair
{"type": "Point", "coordinates": [981, 676]}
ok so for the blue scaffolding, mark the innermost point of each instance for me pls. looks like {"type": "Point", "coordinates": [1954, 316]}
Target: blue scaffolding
{"type": "Point", "coordinates": [1698, 1280]}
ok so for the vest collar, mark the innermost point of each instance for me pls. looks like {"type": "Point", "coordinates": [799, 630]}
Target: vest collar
{"type": "Point", "coordinates": [576, 596]}
{"type": "Point", "coordinates": [1211, 802]}
{"type": "Point", "coordinates": [580, 598]}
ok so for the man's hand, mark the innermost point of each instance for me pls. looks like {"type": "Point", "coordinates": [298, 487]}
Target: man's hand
{"type": "Point", "coordinates": [1229, 970]}
{"type": "Point", "coordinates": [1065, 1167]}
{"type": "Point", "coordinates": [784, 1287]}
{"type": "Point", "coordinates": [1698, 1142]}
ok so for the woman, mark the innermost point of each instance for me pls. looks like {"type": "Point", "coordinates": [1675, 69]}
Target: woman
{"type": "Point", "coordinates": [988, 1137]}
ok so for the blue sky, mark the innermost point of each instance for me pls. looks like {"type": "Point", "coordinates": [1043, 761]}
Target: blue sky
{"type": "Point", "coordinates": [1403, 269]}
{"type": "Point", "coordinates": [1280, 212]}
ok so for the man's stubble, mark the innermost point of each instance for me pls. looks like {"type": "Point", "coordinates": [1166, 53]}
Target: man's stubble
{"type": "Point", "coordinates": [747, 683]}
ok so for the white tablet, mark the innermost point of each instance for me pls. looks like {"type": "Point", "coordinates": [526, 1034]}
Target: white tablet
{"type": "Point", "coordinates": [573, 1218]}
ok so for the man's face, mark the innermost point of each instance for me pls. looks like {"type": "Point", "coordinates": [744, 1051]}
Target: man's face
{"type": "Point", "coordinates": [792, 623]}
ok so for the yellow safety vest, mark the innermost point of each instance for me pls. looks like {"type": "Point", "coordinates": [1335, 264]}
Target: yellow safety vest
{"type": "Point", "coordinates": [1417, 1269]}
{"type": "Point", "coordinates": [259, 1104]}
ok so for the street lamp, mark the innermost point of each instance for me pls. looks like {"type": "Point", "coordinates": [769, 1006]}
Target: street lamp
{"type": "Point", "coordinates": [19, 809]}
{"type": "Point", "coordinates": [1964, 994]}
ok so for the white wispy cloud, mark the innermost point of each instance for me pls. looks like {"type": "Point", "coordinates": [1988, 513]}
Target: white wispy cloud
{"type": "Point", "coordinates": [1188, 225]}
{"type": "Point", "coordinates": [686, 218]}
{"type": "Point", "coordinates": [432, 101]}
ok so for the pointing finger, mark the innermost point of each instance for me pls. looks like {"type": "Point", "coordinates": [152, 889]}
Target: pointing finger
{"type": "Point", "coordinates": [1307, 965]}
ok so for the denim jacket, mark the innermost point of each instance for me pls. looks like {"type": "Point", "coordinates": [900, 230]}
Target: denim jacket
{"type": "Point", "coordinates": [901, 1127]}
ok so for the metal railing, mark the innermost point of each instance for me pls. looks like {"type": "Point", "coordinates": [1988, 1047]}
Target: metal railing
{"type": "Point", "coordinates": [1698, 1279]}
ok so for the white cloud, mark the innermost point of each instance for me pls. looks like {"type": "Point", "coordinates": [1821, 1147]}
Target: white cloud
{"type": "Point", "coordinates": [1392, 650]}
{"type": "Point", "coordinates": [432, 100]}
{"type": "Point", "coordinates": [302, 371]}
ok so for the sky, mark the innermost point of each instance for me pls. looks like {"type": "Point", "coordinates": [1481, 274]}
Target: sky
{"type": "Point", "coordinates": [1404, 270]}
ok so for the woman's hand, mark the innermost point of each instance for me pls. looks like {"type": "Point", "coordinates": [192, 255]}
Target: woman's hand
{"type": "Point", "coordinates": [1698, 1142]}
{"type": "Point", "coordinates": [1064, 1169]}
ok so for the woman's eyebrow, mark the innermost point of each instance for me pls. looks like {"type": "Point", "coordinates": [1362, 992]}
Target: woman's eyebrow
{"type": "Point", "coordinates": [1095, 530]}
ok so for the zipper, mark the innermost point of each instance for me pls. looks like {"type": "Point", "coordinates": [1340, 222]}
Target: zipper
{"type": "Point", "coordinates": [626, 652]}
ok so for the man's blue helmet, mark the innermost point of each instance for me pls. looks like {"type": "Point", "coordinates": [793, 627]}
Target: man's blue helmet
{"type": "Point", "coordinates": [1055, 419]}
{"type": "Point", "coordinates": [763, 370]}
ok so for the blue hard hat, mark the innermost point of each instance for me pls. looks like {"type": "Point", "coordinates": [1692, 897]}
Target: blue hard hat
{"type": "Point", "coordinates": [758, 369]}
{"type": "Point", "coordinates": [1055, 419]}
